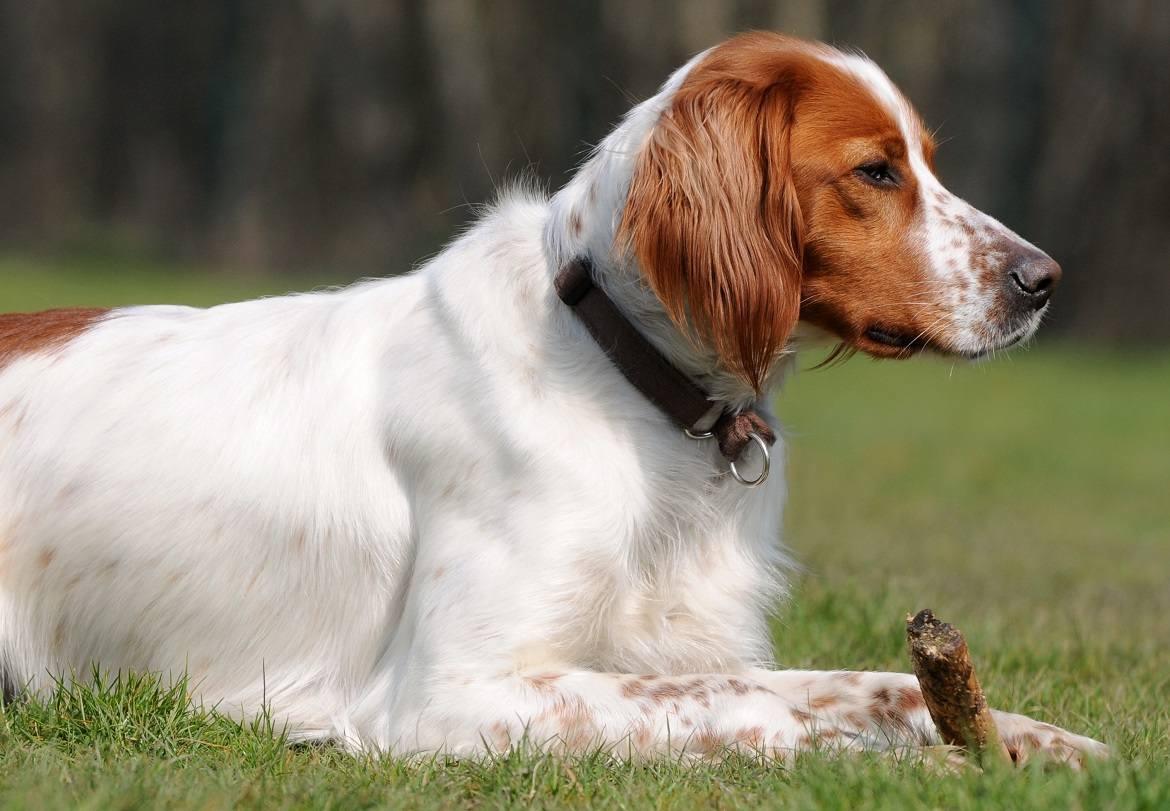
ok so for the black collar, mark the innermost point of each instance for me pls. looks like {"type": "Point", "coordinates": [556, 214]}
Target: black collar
{"type": "Point", "coordinates": [679, 397]}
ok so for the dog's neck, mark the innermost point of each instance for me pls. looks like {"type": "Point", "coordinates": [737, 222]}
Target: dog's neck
{"type": "Point", "coordinates": [583, 221]}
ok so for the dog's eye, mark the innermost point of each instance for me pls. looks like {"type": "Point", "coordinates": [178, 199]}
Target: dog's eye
{"type": "Point", "coordinates": [877, 173]}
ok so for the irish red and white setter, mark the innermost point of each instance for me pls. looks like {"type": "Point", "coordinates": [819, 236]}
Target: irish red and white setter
{"type": "Point", "coordinates": [429, 513]}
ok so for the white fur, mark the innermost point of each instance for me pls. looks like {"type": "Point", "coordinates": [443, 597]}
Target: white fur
{"type": "Point", "coordinates": [416, 514]}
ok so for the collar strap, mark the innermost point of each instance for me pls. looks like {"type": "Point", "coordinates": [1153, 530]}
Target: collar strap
{"type": "Point", "coordinates": [679, 397]}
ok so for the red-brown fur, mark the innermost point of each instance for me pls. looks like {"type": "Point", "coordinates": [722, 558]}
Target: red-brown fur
{"type": "Point", "coordinates": [861, 264]}
{"type": "Point", "coordinates": [745, 214]}
{"type": "Point", "coordinates": [27, 333]}
{"type": "Point", "coordinates": [712, 213]}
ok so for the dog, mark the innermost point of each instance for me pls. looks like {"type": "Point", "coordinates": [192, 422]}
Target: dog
{"type": "Point", "coordinates": [530, 492]}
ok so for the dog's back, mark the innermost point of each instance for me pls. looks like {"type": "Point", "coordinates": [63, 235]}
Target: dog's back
{"type": "Point", "coordinates": [197, 489]}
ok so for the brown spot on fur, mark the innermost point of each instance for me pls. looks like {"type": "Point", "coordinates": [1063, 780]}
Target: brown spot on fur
{"type": "Point", "coordinates": [543, 682]}
{"type": "Point", "coordinates": [751, 736]}
{"type": "Point", "coordinates": [801, 716]}
{"type": "Point", "coordinates": [817, 738]}
{"type": "Point", "coordinates": [575, 223]}
{"type": "Point", "coordinates": [852, 678]}
{"type": "Point", "coordinates": [823, 700]}
{"type": "Point", "coordinates": [634, 688]}
{"type": "Point", "coordinates": [31, 333]}
{"type": "Point", "coordinates": [700, 691]}
{"type": "Point", "coordinates": [641, 737]}
{"type": "Point", "coordinates": [857, 720]}
{"type": "Point", "coordinates": [881, 696]}
{"type": "Point", "coordinates": [574, 722]}
{"type": "Point", "coordinates": [666, 690]}
{"type": "Point", "coordinates": [888, 717]}
{"type": "Point", "coordinates": [738, 687]}
{"type": "Point", "coordinates": [1021, 747]}
{"type": "Point", "coordinates": [657, 691]}
{"type": "Point", "coordinates": [59, 634]}
{"type": "Point", "coordinates": [910, 699]}
{"type": "Point", "coordinates": [706, 742]}
{"type": "Point", "coordinates": [45, 558]}
{"type": "Point", "coordinates": [500, 737]}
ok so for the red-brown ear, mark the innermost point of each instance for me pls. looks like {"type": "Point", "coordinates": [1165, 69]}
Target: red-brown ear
{"type": "Point", "coordinates": [713, 219]}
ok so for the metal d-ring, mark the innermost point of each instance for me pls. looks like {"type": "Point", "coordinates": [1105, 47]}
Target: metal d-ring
{"type": "Point", "coordinates": [756, 482]}
{"type": "Point", "coordinates": [692, 435]}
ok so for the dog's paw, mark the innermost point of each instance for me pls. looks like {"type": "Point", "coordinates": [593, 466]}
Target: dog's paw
{"type": "Point", "coordinates": [1027, 739]}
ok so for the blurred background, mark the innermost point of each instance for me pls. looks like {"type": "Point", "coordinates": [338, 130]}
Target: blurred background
{"type": "Point", "coordinates": [275, 144]}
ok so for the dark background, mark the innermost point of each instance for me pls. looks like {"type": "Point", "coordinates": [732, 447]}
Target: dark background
{"type": "Point", "coordinates": [348, 137]}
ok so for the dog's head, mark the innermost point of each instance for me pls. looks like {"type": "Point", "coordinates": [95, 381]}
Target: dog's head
{"type": "Point", "coordinates": [788, 181]}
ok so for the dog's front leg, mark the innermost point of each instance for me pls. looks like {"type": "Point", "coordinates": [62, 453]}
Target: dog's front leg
{"type": "Point", "coordinates": [579, 711]}
{"type": "Point", "coordinates": [771, 713]}
{"type": "Point", "coordinates": [886, 710]}
{"type": "Point", "coordinates": [775, 713]}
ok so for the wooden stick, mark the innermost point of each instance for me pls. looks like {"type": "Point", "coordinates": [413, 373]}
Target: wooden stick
{"type": "Point", "coordinates": [951, 689]}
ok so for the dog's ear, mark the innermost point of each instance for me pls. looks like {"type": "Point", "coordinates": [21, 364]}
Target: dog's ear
{"type": "Point", "coordinates": [713, 219]}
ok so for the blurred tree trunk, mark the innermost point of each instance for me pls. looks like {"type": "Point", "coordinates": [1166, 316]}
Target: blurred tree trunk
{"type": "Point", "coordinates": [358, 134]}
{"type": "Point", "coordinates": [1100, 189]}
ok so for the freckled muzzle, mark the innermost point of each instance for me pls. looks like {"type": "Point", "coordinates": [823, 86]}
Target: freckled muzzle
{"type": "Point", "coordinates": [1018, 294]}
{"type": "Point", "coordinates": [1002, 286]}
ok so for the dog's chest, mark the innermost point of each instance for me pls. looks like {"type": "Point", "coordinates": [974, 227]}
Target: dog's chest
{"type": "Point", "coordinates": [678, 599]}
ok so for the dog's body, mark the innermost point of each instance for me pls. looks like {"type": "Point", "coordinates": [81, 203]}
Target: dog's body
{"type": "Point", "coordinates": [425, 513]}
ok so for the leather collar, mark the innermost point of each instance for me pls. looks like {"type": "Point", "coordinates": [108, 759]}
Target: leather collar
{"type": "Point", "coordinates": [679, 397]}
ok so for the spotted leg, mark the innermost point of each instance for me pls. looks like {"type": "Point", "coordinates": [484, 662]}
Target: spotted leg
{"type": "Point", "coordinates": [868, 710]}
{"type": "Point", "coordinates": [775, 713]}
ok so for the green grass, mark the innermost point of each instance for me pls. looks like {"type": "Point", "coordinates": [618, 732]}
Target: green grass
{"type": "Point", "coordinates": [1027, 500]}
{"type": "Point", "coordinates": [31, 284]}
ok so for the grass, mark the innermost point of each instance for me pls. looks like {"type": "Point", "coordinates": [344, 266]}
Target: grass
{"type": "Point", "coordinates": [1025, 499]}
{"type": "Point", "coordinates": [30, 284]}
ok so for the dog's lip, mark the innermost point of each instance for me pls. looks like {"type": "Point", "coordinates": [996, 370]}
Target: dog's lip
{"type": "Point", "coordinates": [908, 344]}
{"type": "Point", "coordinates": [896, 339]}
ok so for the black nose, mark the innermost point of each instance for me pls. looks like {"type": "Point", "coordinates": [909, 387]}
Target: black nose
{"type": "Point", "coordinates": [1033, 275]}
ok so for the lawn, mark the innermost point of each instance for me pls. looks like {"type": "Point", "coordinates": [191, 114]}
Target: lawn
{"type": "Point", "coordinates": [1026, 499]}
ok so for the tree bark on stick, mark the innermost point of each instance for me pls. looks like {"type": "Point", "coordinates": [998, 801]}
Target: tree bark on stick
{"type": "Point", "coordinates": [951, 689]}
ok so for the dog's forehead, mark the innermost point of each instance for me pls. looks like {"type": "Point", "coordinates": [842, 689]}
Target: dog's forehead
{"type": "Point", "coordinates": [879, 86]}
{"type": "Point", "coordinates": [850, 92]}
